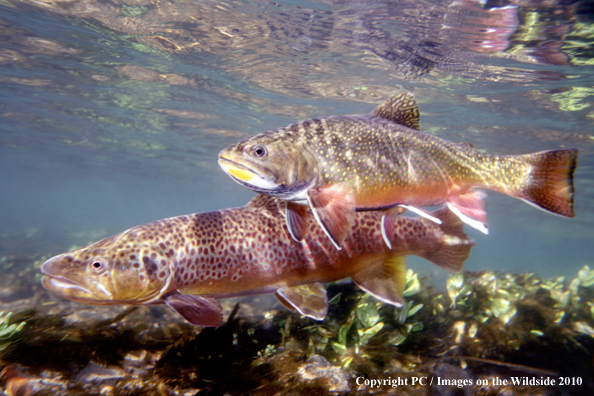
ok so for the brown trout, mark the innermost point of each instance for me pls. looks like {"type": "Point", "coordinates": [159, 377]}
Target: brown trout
{"type": "Point", "coordinates": [342, 164]}
{"type": "Point", "coordinates": [187, 262]}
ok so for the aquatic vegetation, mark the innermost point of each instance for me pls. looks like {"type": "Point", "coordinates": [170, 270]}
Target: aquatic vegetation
{"type": "Point", "coordinates": [485, 325]}
{"type": "Point", "coordinates": [8, 331]}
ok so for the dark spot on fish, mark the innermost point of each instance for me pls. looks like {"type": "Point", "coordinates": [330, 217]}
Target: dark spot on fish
{"type": "Point", "coordinates": [151, 268]}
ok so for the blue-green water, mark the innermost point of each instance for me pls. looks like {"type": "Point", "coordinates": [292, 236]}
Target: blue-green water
{"type": "Point", "coordinates": [104, 127]}
{"type": "Point", "coordinates": [112, 113]}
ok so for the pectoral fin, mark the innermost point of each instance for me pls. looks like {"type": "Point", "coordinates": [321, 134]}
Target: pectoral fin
{"type": "Point", "coordinates": [470, 208]}
{"type": "Point", "coordinates": [198, 310]}
{"type": "Point", "coordinates": [385, 280]}
{"type": "Point", "coordinates": [388, 221]}
{"type": "Point", "coordinates": [334, 209]}
{"type": "Point", "coordinates": [309, 300]}
{"type": "Point", "coordinates": [296, 220]}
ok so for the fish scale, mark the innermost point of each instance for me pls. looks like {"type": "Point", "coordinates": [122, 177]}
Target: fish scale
{"type": "Point", "coordinates": [342, 164]}
{"type": "Point", "coordinates": [187, 262]}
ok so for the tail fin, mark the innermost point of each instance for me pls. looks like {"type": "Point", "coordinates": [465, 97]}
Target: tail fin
{"type": "Point", "coordinates": [550, 186]}
{"type": "Point", "coordinates": [456, 244]}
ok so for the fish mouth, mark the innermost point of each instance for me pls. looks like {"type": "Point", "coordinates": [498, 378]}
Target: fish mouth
{"type": "Point", "coordinates": [260, 179]}
{"type": "Point", "coordinates": [236, 170]}
{"type": "Point", "coordinates": [68, 289]}
{"type": "Point", "coordinates": [95, 293]}
{"type": "Point", "coordinates": [59, 285]}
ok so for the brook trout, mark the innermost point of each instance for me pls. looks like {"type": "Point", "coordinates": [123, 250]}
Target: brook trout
{"type": "Point", "coordinates": [342, 164]}
{"type": "Point", "coordinates": [187, 262]}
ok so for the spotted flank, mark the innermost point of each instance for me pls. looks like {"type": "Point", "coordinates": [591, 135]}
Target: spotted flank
{"type": "Point", "coordinates": [189, 262]}
{"type": "Point", "coordinates": [343, 164]}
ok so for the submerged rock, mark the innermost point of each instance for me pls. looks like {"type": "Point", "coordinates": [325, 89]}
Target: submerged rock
{"type": "Point", "coordinates": [333, 377]}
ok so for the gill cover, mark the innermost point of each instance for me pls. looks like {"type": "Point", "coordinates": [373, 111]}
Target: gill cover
{"type": "Point", "coordinates": [141, 278]}
{"type": "Point", "coordinates": [272, 163]}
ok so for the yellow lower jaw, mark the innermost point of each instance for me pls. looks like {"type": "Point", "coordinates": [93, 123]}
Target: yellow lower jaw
{"type": "Point", "coordinates": [241, 174]}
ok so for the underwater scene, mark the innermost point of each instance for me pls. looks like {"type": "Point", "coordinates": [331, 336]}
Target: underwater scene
{"type": "Point", "coordinates": [419, 220]}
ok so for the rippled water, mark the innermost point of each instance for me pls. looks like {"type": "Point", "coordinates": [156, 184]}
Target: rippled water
{"type": "Point", "coordinates": [112, 113]}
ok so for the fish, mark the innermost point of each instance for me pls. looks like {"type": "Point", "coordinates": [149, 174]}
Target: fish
{"type": "Point", "coordinates": [339, 165]}
{"type": "Point", "coordinates": [189, 262]}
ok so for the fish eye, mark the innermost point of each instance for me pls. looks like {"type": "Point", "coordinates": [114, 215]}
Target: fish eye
{"type": "Point", "coordinates": [260, 151]}
{"type": "Point", "coordinates": [97, 265]}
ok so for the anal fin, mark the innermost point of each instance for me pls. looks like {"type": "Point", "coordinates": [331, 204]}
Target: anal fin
{"type": "Point", "coordinates": [198, 310]}
{"type": "Point", "coordinates": [385, 280]}
{"type": "Point", "coordinates": [296, 220]}
{"type": "Point", "coordinates": [470, 208]}
{"type": "Point", "coordinates": [309, 300]}
{"type": "Point", "coordinates": [456, 245]}
{"type": "Point", "coordinates": [334, 209]}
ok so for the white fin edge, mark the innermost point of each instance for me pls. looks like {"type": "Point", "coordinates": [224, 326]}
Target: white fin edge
{"type": "Point", "coordinates": [290, 227]}
{"type": "Point", "coordinates": [322, 226]}
{"type": "Point", "coordinates": [384, 236]}
{"type": "Point", "coordinates": [467, 220]}
{"type": "Point", "coordinates": [424, 214]}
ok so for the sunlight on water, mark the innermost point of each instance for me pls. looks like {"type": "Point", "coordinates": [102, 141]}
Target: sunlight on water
{"type": "Point", "coordinates": [113, 112]}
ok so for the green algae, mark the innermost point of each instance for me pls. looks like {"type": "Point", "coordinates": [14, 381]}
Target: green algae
{"type": "Point", "coordinates": [485, 325]}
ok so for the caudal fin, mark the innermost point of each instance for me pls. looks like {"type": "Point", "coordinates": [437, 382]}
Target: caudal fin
{"type": "Point", "coordinates": [550, 186]}
{"type": "Point", "coordinates": [456, 245]}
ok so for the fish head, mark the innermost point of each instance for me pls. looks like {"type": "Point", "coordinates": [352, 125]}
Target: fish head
{"type": "Point", "coordinates": [116, 270]}
{"type": "Point", "coordinates": [274, 163]}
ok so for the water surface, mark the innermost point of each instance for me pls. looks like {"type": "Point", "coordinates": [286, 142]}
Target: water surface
{"type": "Point", "coordinates": [112, 113]}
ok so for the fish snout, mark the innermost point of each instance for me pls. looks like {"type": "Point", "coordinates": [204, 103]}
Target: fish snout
{"type": "Point", "coordinates": [53, 266]}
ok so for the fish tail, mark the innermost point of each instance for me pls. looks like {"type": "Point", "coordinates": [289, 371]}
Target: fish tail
{"type": "Point", "coordinates": [550, 183]}
{"type": "Point", "coordinates": [456, 245]}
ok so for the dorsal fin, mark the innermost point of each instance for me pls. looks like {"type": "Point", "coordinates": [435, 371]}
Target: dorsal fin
{"type": "Point", "coordinates": [401, 109]}
{"type": "Point", "coordinates": [263, 201]}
